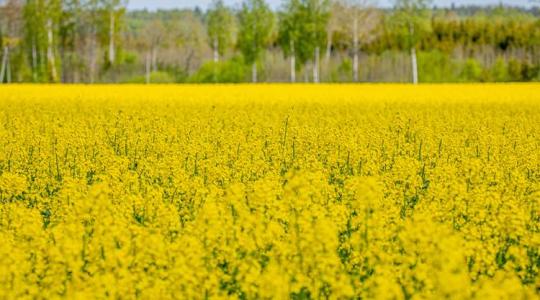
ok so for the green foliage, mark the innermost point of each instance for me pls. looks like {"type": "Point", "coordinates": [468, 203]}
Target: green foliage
{"type": "Point", "coordinates": [436, 66]}
{"type": "Point", "coordinates": [499, 71]}
{"type": "Point", "coordinates": [515, 70]}
{"type": "Point", "coordinates": [411, 20]}
{"type": "Point", "coordinates": [256, 22]}
{"type": "Point", "coordinates": [35, 38]}
{"type": "Point", "coordinates": [129, 58]}
{"type": "Point", "coordinates": [231, 71]}
{"type": "Point", "coordinates": [303, 28]}
{"type": "Point", "coordinates": [289, 29]}
{"type": "Point", "coordinates": [531, 72]}
{"type": "Point", "coordinates": [155, 77]}
{"type": "Point", "coordinates": [53, 26]}
{"type": "Point", "coordinates": [472, 71]}
{"type": "Point", "coordinates": [220, 21]}
{"type": "Point", "coordinates": [111, 14]}
{"type": "Point", "coordinates": [343, 72]}
{"type": "Point", "coordinates": [314, 19]}
{"type": "Point", "coordinates": [445, 40]}
{"type": "Point", "coordinates": [446, 31]}
{"type": "Point", "coordinates": [522, 71]}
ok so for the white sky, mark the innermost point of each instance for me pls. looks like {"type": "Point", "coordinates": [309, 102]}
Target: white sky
{"type": "Point", "coordinates": [154, 4]}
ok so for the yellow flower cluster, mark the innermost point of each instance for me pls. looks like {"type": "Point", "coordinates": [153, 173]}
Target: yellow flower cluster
{"type": "Point", "coordinates": [270, 192]}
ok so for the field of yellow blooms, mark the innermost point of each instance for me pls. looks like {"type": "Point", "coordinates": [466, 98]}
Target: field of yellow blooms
{"type": "Point", "coordinates": [270, 192]}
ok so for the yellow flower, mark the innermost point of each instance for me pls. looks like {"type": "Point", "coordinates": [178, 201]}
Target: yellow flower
{"type": "Point", "coordinates": [270, 192]}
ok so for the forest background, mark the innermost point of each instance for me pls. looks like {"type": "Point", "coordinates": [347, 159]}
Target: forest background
{"type": "Point", "coordinates": [101, 41]}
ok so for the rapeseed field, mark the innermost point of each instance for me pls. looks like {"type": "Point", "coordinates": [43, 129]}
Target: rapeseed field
{"type": "Point", "coordinates": [270, 192]}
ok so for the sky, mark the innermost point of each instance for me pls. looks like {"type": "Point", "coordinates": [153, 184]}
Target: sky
{"type": "Point", "coordinates": [164, 4]}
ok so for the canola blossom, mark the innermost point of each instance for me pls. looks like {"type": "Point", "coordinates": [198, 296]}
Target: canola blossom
{"type": "Point", "coordinates": [270, 192]}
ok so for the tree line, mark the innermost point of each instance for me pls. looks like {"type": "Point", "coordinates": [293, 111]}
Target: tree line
{"type": "Point", "coordinates": [100, 41]}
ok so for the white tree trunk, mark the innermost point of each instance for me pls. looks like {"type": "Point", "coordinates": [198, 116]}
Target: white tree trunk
{"type": "Point", "coordinates": [293, 68]}
{"type": "Point", "coordinates": [293, 64]}
{"type": "Point", "coordinates": [8, 66]}
{"type": "Point", "coordinates": [76, 76]}
{"type": "Point", "coordinates": [50, 51]}
{"type": "Point", "coordinates": [254, 72]}
{"type": "Point", "coordinates": [355, 49]}
{"type": "Point", "coordinates": [316, 65]}
{"type": "Point", "coordinates": [154, 59]}
{"type": "Point", "coordinates": [112, 47]}
{"type": "Point", "coordinates": [93, 51]}
{"type": "Point", "coordinates": [414, 62]}
{"type": "Point", "coordinates": [148, 68]}
{"type": "Point", "coordinates": [216, 58]}
{"type": "Point", "coordinates": [4, 65]}
{"type": "Point", "coordinates": [414, 65]}
{"type": "Point", "coordinates": [216, 51]}
{"type": "Point", "coordinates": [355, 68]}
{"type": "Point", "coordinates": [34, 60]}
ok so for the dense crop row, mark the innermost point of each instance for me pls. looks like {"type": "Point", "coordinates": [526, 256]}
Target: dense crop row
{"type": "Point", "coordinates": [270, 192]}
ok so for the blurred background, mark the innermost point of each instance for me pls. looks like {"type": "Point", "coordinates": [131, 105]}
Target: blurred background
{"type": "Point", "coordinates": [181, 41]}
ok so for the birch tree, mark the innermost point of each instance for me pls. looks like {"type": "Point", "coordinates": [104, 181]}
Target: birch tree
{"type": "Point", "coordinates": [304, 29]}
{"type": "Point", "coordinates": [316, 14]}
{"type": "Point", "coordinates": [68, 36]}
{"type": "Point", "coordinates": [154, 33]}
{"type": "Point", "coordinates": [33, 35]}
{"type": "Point", "coordinates": [219, 22]}
{"type": "Point", "coordinates": [92, 20]}
{"type": "Point", "coordinates": [4, 57]}
{"type": "Point", "coordinates": [41, 22]}
{"type": "Point", "coordinates": [113, 12]}
{"type": "Point", "coordinates": [363, 19]}
{"type": "Point", "coordinates": [256, 22]}
{"type": "Point", "coordinates": [53, 13]}
{"type": "Point", "coordinates": [335, 23]}
{"type": "Point", "coordinates": [73, 32]}
{"type": "Point", "coordinates": [412, 16]}
{"type": "Point", "coordinates": [10, 33]}
{"type": "Point", "coordinates": [190, 40]}
{"type": "Point", "coordinates": [289, 33]}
